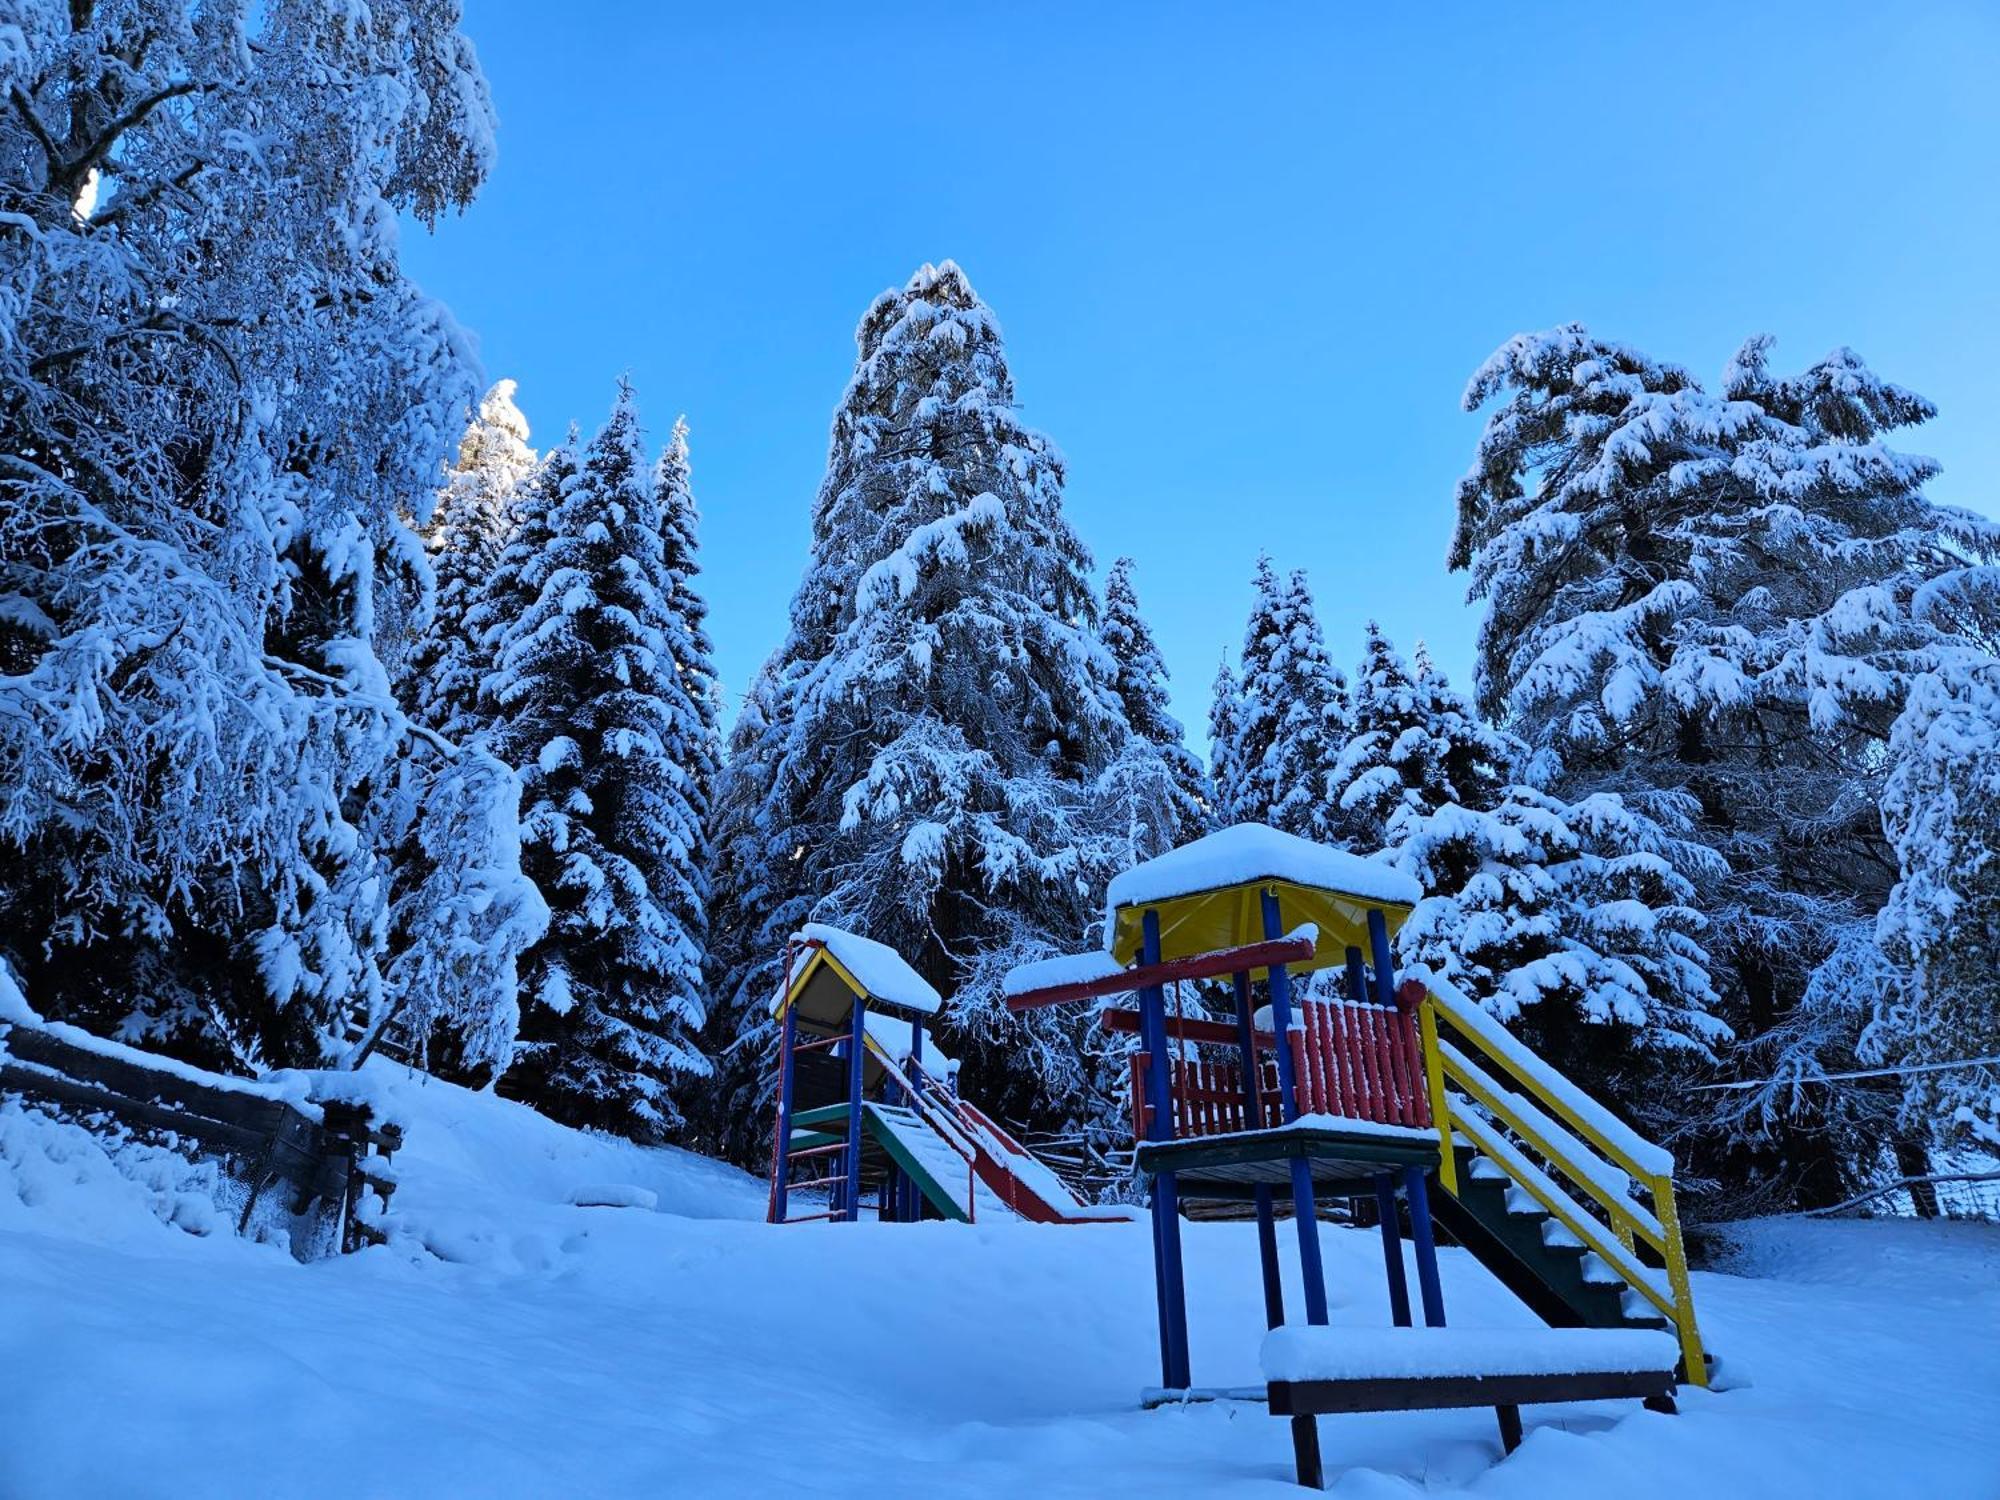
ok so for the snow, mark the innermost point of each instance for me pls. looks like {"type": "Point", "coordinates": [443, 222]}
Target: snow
{"type": "Point", "coordinates": [1304, 1352]}
{"type": "Point", "coordinates": [876, 967]}
{"type": "Point", "coordinates": [1063, 969]}
{"type": "Point", "coordinates": [892, 1035]}
{"type": "Point", "coordinates": [570, 1350]}
{"type": "Point", "coordinates": [1251, 852]}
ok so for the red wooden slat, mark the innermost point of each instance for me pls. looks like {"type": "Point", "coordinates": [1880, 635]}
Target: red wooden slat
{"type": "Point", "coordinates": [1385, 1064]}
{"type": "Point", "coordinates": [1329, 1060]}
{"type": "Point", "coordinates": [1413, 1053]}
{"type": "Point", "coordinates": [1392, 1058]}
{"type": "Point", "coordinates": [1412, 1086]}
{"type": "Point", "coordinates": [1343, 1060]}
{"type": "Point", "coordinates": [1357, 1068]}
{"type": "Point", "coordinates": [1317, 1046]}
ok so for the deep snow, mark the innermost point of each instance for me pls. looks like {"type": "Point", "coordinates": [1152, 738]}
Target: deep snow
{"type": "Point", "coordinates": [689, 1349]}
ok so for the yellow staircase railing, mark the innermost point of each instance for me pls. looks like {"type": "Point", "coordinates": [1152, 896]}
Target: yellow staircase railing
{"type": "Point", "coordinates": [1598, 1154]}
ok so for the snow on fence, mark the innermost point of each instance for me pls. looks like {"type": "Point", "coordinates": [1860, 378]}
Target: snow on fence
{"type": "Point", "coordinates": [321, 1167]}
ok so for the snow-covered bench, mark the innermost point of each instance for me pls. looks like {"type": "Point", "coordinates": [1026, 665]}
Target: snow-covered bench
{"type": "Point", "coordinates": [1311, 1371]}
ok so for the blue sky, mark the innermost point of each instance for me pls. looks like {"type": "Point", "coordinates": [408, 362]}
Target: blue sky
{"type": "Point", "coordinates": [1245, 256]}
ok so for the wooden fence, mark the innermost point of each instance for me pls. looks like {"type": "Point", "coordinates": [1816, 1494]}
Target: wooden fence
{"type": "Point", "coordinates": [327, 1164]}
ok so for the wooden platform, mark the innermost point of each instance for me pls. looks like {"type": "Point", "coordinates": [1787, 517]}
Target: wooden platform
{"type": "Point", "coordinates": [1345, 1161]}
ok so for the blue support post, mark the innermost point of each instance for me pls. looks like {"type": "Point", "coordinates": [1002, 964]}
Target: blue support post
{"type": "Point", "coordinates": [1311, 1269]}
{"type": "Point", "coordinates": [851, 1200]}
{"type": "Point", "coordinates": [788, 1035]}
{"type": "Point", "coordinates": [1383, 957]}
{"type": "Point", "coordinates": [1392, 1250]}
{"type": "Point", "coordinates": [1357, 976]}
{"type": "Point", "coordinates": [1170, 1277]}
{"type": "Point", "coordinates": [1426, 1246]}
{"type": "Point", "coordinates": [1267, 1222]}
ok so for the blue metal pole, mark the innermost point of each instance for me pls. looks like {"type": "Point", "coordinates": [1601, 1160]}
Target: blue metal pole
{"type": "Point", "coordinates": [851, 1203]}
{"type": "Point", "coordinates": [1171, 1276]}
{"type": "Point", "coordinates": [1426, 1246]}
{"type": "Point", "coordinates": [788, 1034]}
{"type": "Point", "coordinates": [1384, 958]}
{"type": "Point", "coordinates": [1267, 1224]}
{"type": "Point", "coordinates": [1312, 1270]}
{"type": "Point", "coordinates": [1357, 976]}
{"type": "Point", "coordinates": [1392, 1250]}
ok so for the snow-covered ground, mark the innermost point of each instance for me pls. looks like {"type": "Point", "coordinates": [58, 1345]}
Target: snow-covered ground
{"type": "Point", "coordinates": [687, 1349]}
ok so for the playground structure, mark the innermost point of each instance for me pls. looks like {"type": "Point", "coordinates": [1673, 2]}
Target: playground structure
{"type": "Point", "coordinates": [867, 1101]}
{"type": "Point", "coordinates": [1405, 1093]}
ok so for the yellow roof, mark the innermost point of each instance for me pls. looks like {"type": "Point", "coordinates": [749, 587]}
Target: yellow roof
{"type": "Point", "coordinates": [1232, 916]}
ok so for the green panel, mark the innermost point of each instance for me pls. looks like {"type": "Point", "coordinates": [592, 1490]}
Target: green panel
{"type": "Point", "coordinates": [934, 1191]}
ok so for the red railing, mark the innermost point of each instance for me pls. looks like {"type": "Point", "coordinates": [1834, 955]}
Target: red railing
{"type": "Point", "coordinates": [1351, 1061]}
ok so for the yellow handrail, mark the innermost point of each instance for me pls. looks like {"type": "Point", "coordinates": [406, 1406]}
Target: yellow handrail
{"type": "Point", "coordinates": [1446, 1066]}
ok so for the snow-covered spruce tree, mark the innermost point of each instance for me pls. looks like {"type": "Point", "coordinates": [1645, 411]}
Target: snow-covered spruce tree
{"type": "Point", "coordinates": [1225, 729]}
{"type": "Point", "coordinates": [1710, 594]}
{"type": "Point", "coordinates": [210, 439]}
{"type": "Point", "coordinates": [1941, 925]}
{"type": "Point", "coordinates": [595, 712]}
{"type": "Point", "coordinates": [1139, 677]}
{"type": "Point", "coordinates": [942, 712]}
{"type": "Point", "coordinates": [1291, 714]}
{"type": "Point", "coordinates": [1413, 746]}
{"type": "Point", "coordinates": [694, 743]}
{"type": "Point", "coordinates": [1572, 924]}
{"type": "Point", "coordinates": [467, 534]}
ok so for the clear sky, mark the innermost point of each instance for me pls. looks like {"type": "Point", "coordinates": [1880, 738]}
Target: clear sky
{"type": "Point", "coordinates": [1245, 256]}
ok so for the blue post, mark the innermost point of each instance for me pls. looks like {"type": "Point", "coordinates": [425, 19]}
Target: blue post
{"type": "Point", "coordinates": [1170, 1279]}
{"type": "Point", "coordinates": [1312, 1270]}
{"type": "Point", "coordinates": [1426, 1246]}
{"type": "Point", "coordinates": [1392, 1250]}
{"type": "Point", "coordinates": [851, 1200]}
{"type": "Point", "coordinates": [780, 1189]}
{"type": "Point", "coordinates": [1267, 1224]}
{"type": "Point", "coordinates": [1384, 957]}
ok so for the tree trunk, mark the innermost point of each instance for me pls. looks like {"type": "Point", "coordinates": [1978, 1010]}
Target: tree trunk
{"type": "Point", "coordinates": [1913, 1160]}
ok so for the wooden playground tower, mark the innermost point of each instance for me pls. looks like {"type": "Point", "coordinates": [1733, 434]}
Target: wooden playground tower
{"type": "Point", "coordinates": [1370, 1095]}
{"type": "Point", "coordinates": [867, 1100]}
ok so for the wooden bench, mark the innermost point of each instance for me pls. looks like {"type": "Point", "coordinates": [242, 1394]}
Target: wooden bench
{"type": "Point", "coordinates": [1318, 1371]}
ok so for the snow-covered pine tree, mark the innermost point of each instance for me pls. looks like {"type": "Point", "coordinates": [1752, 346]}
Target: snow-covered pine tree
{"type": "Point", "coordinates": [1291, 713]}
{"type": "Point", "coordinates": [1711, 594]}
{"type": "Point", "coordinates": [213, 435]}
{"type": "Point", "coordinates": [1225, 731]}
{"type": "Point", "coordinates": [1941, 925]}
{"type": "Point", "coordinates": [1572, 924]}
{"type": "Point", "coordinates": [1139, 677]}
{"type": "Point", "coordinates": [693, 745]}
{"type": "Point", "coordinates": [589, 687]}
{"type": "Point", "coordinates": [942, 711]}
{"type": "Point", "coordinates": [1414, 746]}
{"type": "Point", "coordinates": [467, 533]}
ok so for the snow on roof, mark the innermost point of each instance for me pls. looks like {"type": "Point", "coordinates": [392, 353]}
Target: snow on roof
{"type": "Point", "coordinates": [876, 967]}
{"type": "Point", "coordinates": [1064, 968]}
{"type": "Point", "coordinates": [892, 1035]}
{"type": "Point", "coordinates": [1255, 851]}
{"type": "Point", "coordinates": [1294, 1352]}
